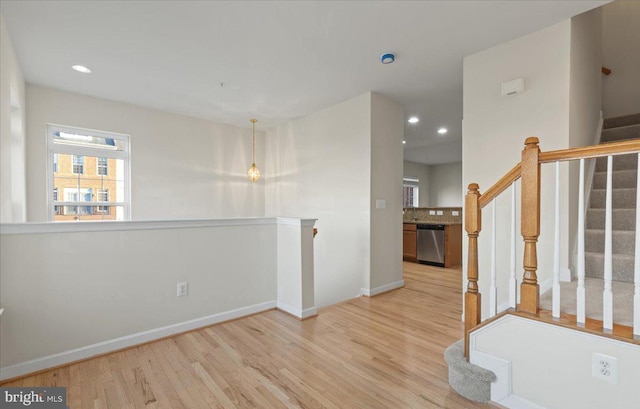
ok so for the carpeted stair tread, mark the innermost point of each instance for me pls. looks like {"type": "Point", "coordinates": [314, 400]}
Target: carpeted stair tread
{"type": "Point", "coordinates": [469, 380]}
{"type": "Point", "coordinates": [622, 266]}
{"type": "Point", "coordinates": [620, 198]}
{"type": "Point", "coordinates": [620, 179]}
{"type": "Point", "coordinates": [620, 133]}
{"type": "Point", "coordinates": [622, 219]}
{"type": "Point", "coordinates": [620, 162]}
{"type": "Point", "coordinates": [622, 300]}
{"type": "Point", "coordinates": [624, 120]}
{"type": "Point", "coordinates": [623, 241]}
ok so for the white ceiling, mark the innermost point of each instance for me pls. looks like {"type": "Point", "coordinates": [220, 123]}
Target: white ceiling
{"type": "Point", "coordinates": [278, 60]}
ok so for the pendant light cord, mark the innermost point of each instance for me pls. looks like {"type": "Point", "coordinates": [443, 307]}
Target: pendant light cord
{"type": "Point", "coordinates": [254, 142]}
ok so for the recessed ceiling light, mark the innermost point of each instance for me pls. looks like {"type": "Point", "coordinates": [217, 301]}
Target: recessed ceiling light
{"type": "Point", "coordinates": [82, 69]}
{"type": "Point", "coordinates": [414, 120]}
{"type": "Point", "coordinates": [403, 142]}
{"type": "Point", "coordinates": [442, 131]}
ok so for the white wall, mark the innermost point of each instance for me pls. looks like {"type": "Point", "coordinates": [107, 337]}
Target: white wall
{"type": "Point", "coordinates": [585, 100]}
{"type": "Point", "coordinates": [12, 139]}
{"type": "Point", "coordinates": [320, 167]}
{"type": "Point", "coordinates": [551, 365]}
{"type": "Point", "coordinates": [445, 185]}
{"type": "Point", "coordinates": [421, 172]}
{"type": "Point", "coordinates": [327, 166]}
{"type": "Point", "coordinates": [621, 53]}
{"type": "Point", "coordinates": [387, 129]}
{"type": "Point", "coordinates": [296, 292]}
{"type": "Point", "coordinates": [494, 130]}
{"type": "Point", "coordinates": [181, 167]}
{"type": "Point", "coordinates": [67, 290]}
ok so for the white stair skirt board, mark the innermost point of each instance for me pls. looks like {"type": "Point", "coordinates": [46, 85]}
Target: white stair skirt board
{"type": "Point", "coordinates": [383, 288]}
{"type": "Point", "coordinates": [501, 387]}
{"type": "Point", "coordinates": [295, 311]}
{"type": "Point", "coordinates": [88, 351]}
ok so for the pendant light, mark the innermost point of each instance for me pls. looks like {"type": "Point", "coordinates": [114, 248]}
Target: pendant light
{"type": "Point", "coordinates": [254, 173]}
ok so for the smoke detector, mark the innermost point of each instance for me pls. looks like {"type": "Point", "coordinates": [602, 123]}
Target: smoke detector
{"type": "Point", "coordinates": [387, 58]}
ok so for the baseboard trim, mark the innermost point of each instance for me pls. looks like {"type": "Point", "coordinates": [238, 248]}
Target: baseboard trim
{"type": "Point", "coordinates": [297, 312]}
{"type": "Point", "coordinates": [544, 287]}
{"type": "Point", "coordinates": [547, 284]}
{"type": "Point", "coordinates": [116, 344]}
{"type": "Point", "coordinates": [382, 289]}
{"type": "Point", "coordinates": [516, 402]}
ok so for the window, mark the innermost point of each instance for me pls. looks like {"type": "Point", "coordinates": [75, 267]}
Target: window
{"type": "Point", "coordinates": [410, 192]}
{"type": "Point", "coordinates": [103, 196]}
{"type": "Point", "coordinates": [103, 166]}
{"type": "Point", "coordinates": [78, 195]}
{"type": "Point", "coordinates": [78, 164]}
{"type": "Point", "coordinates": [56, 209]}
{"type": "Point", "coordinates": [89, 174]}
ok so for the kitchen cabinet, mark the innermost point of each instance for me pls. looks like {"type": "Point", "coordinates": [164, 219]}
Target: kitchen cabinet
{"type": "Point", "coordinates": [409, 242]}
{"type": "Point", "coordinates": [452, 243]}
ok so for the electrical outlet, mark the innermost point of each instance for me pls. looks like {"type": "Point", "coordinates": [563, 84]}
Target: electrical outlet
{"type": "Point", "coordinates": [439, 212]}
{"type": "Point", "coordinates": [432, 212]}
{"type": "Point", "coordinates": [455, 213]}
{"type": "Point", "coordinates": [605, 367]}
{"type": "Point", "coordinates": [183, 289]}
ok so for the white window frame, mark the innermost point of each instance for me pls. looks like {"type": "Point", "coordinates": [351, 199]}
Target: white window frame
{"type": "Point", "coordinates": [124, 155]}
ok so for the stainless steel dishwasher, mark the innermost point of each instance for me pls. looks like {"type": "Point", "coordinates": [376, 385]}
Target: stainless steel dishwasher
{"type": "Point", "coordinates": [431, 244]}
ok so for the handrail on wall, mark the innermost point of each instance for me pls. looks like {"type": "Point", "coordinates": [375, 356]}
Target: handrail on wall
{"type": "Point", "coordinates": [529, 171]}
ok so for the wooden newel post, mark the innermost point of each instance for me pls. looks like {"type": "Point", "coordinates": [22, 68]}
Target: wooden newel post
{"type": "Point", "coordinates": [530, 225]}
{"type": "Point", "coordinates": [472, 225]}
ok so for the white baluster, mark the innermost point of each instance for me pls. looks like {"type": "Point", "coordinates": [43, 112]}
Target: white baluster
{"type": "Point", "coordinates": [636, 272]}
{"type": "Point", "coordinates": [607, 294]}
{"type": "Point", "coordinates": [580, 292]}
{"type": "Point", "coordinates": [513, 284]}
{"type": "Point", "coordinates": [555, 292]}
{"type": "Point", "coordinates": [493, 293]}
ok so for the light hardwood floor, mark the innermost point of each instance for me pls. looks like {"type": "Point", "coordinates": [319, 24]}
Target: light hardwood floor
{"type": "Point", "coordinates": [380, 352]}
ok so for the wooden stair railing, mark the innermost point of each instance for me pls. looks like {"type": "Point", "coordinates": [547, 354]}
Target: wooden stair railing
{"type": "Point", "coordinates": [529, 170]}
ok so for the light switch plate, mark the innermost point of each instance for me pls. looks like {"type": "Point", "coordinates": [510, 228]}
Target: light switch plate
{"type": "Point", "coordinates": [432, 212]}
{"type": "Point", "coordinates": [183, 289]}
{"type": "Point", "coordinates": [381, 204]}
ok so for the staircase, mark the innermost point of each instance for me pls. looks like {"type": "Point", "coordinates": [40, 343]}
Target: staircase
{"type": "Point", "coordinates": [624, 177]}
{"type": "Point", "coordinates": [590, 306]}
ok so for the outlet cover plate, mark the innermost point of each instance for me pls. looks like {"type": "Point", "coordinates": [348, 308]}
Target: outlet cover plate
{"type": "Point", "coordinates": [605, 367]}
